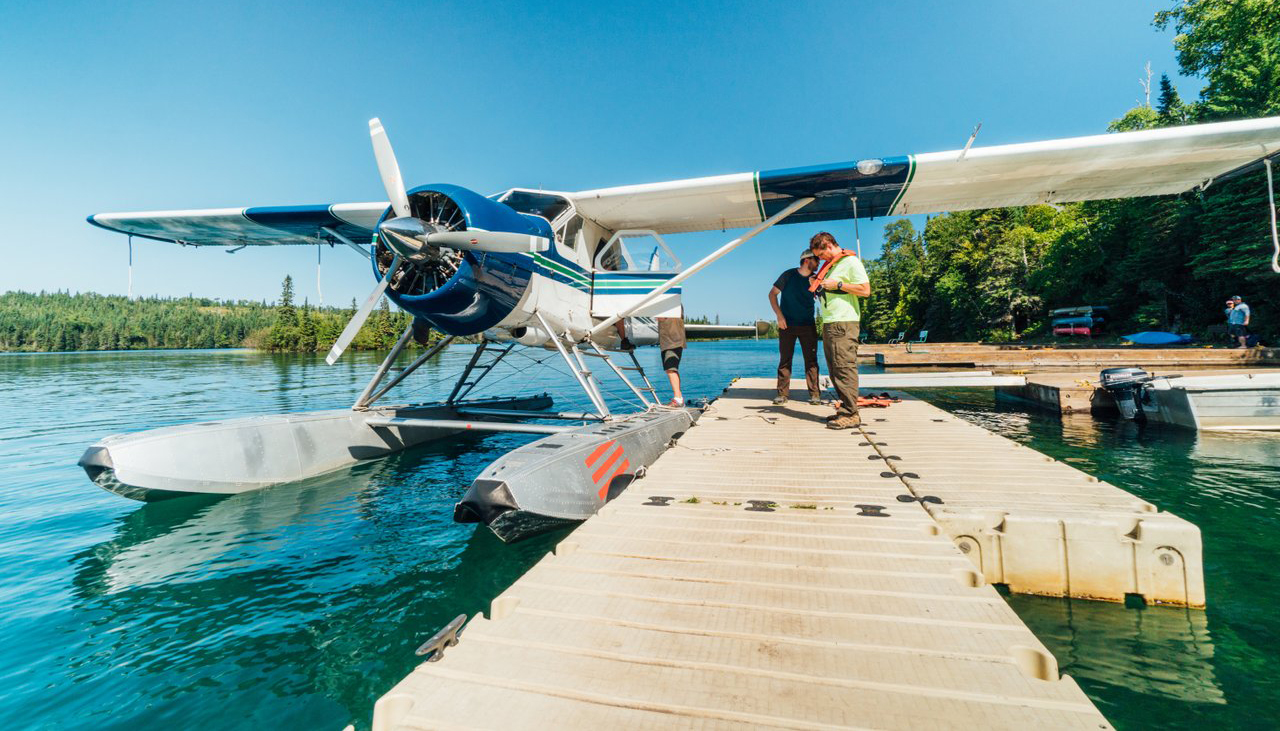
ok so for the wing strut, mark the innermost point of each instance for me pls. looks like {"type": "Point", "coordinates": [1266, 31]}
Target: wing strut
{"type": "Point", "coordinates": [1275, 237]}
{"type": "Point", "coordinates": [362, 251]}
{"type": "Point", "coordinates": [700, 265]}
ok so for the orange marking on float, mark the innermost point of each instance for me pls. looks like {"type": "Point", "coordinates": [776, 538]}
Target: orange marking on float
{"type": "Point", "coordinates": [604, 467]}
{"type": "Point", "coordinates": [591, 458]}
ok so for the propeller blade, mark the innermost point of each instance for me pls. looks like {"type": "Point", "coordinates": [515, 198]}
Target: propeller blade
{"type": "Point", "coordinates": [362, 314]}
{"type": "Point", "coordinates": [494, 241]}
{"type": "Point", "coordinates": [388, 168]}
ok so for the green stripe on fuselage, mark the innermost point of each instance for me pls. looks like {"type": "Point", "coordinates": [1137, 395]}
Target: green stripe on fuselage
{"type": "Point", "coordinates": [911, 174]}
{"type": "Point", "coordinates": [759, 200]}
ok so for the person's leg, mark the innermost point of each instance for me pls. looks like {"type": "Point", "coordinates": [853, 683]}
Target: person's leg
{"type": "Point", "coordinates": [671, 364]}
{"type": "Point", "coordinates": [786, 352]}
{"type": "Point", "coordinates": [623, 342]}
{"type": "Point", "coordinates": [828, 351]}
{"type": "Point", "coordinates": [808, 336]}
{"type": "Point", "coordinates": [844, 364]}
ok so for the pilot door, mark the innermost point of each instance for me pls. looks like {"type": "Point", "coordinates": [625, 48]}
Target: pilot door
{"type": "Point", "coordinates": [627, 268]}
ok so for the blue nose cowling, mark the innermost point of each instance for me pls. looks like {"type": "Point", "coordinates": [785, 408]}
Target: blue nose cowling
{"type": "Point", "coordinates": [487, 286]}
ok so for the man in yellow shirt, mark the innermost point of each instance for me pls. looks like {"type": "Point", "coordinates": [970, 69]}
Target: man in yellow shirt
{"type": "Point", "coordinates": [841, 281]}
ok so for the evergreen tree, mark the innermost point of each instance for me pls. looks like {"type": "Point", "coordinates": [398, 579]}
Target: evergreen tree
{"type": "Point", "coordinates": [306, 330]}
{"type": "Point", "coordinates": [1169, 108]}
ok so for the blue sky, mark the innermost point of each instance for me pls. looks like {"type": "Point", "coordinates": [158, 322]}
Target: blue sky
{"type": "Point", "coordinates": [148, 106]}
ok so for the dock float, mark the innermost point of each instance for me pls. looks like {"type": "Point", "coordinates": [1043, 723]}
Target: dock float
{"type": "Point", "coordinates": [771, 573]}
{"type": "Point", "coordinates": [1009, 356]}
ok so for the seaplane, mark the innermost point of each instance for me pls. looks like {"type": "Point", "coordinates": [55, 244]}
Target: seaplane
{"type": "Point", "coordinates": [583, 276]}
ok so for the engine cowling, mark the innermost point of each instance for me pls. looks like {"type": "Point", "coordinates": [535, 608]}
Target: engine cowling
{"type": "Point", "coordinates": [458, 292]}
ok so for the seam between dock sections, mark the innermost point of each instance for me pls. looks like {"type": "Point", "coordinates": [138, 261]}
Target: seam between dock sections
{"type": "Point", "coordinates": [743, 532]}
{"type": "Point", "coordinates": [775, 585]}
{"type": "Point", "coordinates": [731, 562]}
{"type": "Point", "coordinates": [775, 609]}
{"type": "Point", "coordinates": [666, 708]}
{"type": "Point", "coordinates": [877, 685]}
{"type": "Point", "coordinates": [776, 639]}
{"type": "Point", "coordinates": [960, 560]}
{"type": "Point", "coordinates": [790, 517]}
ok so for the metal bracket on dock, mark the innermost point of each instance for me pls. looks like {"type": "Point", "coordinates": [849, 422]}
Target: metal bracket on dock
{"type": "Point", "coordinates": [922, 499]}
{"type": "Point", "coordinates": [761, 506]}
{"type": "Point", "coordinates": [872, 511]}
{"type": "Point", "coordinates": [659, 500]}
{"type": "Point", "coordinates": [447, 637]}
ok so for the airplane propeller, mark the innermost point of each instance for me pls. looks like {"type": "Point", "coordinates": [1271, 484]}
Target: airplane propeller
{"type": "Point", "coordinates": [389, 170]}
{"type": "Point", "coordinates": [417, 242]}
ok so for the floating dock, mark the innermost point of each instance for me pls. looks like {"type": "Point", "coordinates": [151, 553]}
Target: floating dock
{"type": "Point", "coordinates": [1081, 392]}
{"type": "Point", "coordinates": [772, 573]}
{"type": "Point", "coordinates": [961, 355]}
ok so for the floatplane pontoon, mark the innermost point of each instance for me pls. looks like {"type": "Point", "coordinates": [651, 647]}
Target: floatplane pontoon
{"type": "Point", "coordinates": [566, 272]}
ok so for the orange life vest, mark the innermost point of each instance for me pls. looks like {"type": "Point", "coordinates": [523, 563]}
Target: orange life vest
{"type": "Point", "coordinates": [816, 284]}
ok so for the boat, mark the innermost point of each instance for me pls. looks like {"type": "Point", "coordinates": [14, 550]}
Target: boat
{"type": "Point", "coordinates": [1229, 402]}
{"type": "Point", "coordinates": [1076, 321]}
{"type": "Point", "coordinates": [1157, 338]}
{"type": "Point", "coordinates": [1245, 401]}
{"type": "Point", "coordinates": [1094, 310]}
{"type": "Point", "coordinates": [1070, 330]}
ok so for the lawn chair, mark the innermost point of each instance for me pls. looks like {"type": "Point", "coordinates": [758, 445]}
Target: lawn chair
{"type": "Point", "coordinates": [898, 340]}
{"type": "Point", "coordinates": [924, 335]}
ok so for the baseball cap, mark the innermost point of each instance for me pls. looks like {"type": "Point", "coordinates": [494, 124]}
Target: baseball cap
{"type": "Point", "coordinates": [807, 253]}
{"type": "Point", "coordinates": [1237, 298]}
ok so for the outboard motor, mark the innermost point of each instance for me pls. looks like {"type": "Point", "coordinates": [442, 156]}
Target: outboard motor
{"type": "Point", "coordinates": [1125, 385]}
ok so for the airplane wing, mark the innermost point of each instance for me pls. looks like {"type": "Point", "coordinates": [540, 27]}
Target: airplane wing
{"type": "Point", "coordinates": [1120, 165]}
{"type": "Point", "coordinates": [257, 226]}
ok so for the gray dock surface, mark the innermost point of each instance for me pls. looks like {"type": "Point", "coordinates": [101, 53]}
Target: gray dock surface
{"type": "Point", "coordinates": [835, 606]}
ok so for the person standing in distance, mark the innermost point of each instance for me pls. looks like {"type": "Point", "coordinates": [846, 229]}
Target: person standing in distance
{"type": "Point", "coordinates": [795, 322]}
{"type": "Point", "coordinates": [1238, 316]}
{"type": "Point", "coordinates": [841, 281]}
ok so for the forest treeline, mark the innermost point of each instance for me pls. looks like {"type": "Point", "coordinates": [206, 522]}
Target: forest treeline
{"type": "Point", "coordinates": [59, 321]}
{"type": "Point", "coordinates": [1164, 263]}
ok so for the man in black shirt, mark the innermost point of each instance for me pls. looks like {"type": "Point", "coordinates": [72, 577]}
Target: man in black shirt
{"type": "Point", "coordinates": [795, 322]}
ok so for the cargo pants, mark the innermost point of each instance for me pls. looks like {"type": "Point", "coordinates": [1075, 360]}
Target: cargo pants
{"type": "Point", "coordinates": [808, 337]}
{"type": "Point", "coordinates": [840, 344]}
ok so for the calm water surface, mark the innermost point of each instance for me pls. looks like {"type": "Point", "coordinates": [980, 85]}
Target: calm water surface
{"type": "Point", "coordinates": [297, 606]}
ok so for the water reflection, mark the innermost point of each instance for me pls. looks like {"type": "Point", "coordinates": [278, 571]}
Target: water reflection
{"type": "Point", "coordinates": [1158, 651]}
{"type": "Point", "coordinates": [270, 595]}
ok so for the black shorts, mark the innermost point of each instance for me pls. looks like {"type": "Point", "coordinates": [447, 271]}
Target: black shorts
{"type": "Point", "coordinates": [671, 359]}
{"type": "Point", "coordinates": [1237, 330]}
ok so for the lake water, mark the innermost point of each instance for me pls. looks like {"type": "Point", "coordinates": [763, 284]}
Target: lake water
{"type": "Point", "coordinates": [297, 606]}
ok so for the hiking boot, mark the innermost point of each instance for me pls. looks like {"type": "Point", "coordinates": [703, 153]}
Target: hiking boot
{"type": "Point", "coordinates": [815, 401]}
{"type": "Point", "coordinates": [779, 400]}
{"type": "Point", "coordinates": [831, 417]}
{"type": "Point", "coordinates": [844, 422]}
